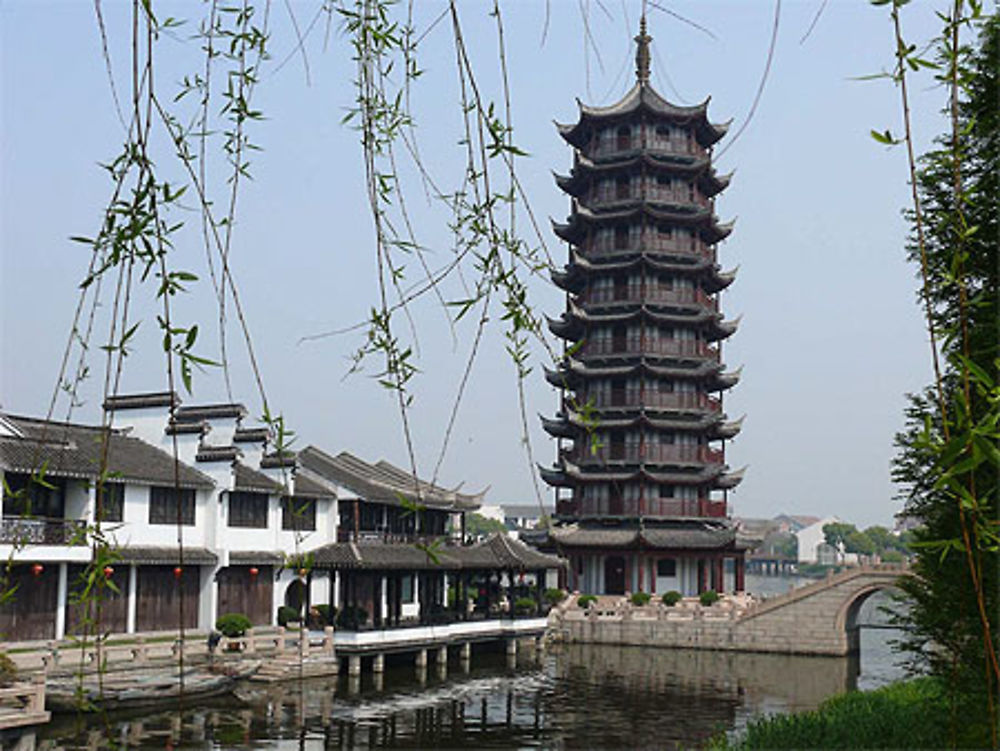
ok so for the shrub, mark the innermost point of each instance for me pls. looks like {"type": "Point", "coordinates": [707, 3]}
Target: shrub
{"type": "Point", "coordinates": [554, 596]}
{"type": "Point", "coordinates": [708, 598]}
{"type": "Point", "coordinates": [8, 670]}
{"type": "Point", "coordinates": [586, 600]}
{"type": "Point", "coordinates": [525, 605]}
{"type": "Point", "coordinates": [287, 614]}
{"type": "Point", "coordinates": [641, 598]}
{"type": "Point", "coordinates": [671, 598]}
{"type": "Point", "coordinates": [233, 624]}
{"type": "Point", "coordinates": [351, 617]}
{"type": "Point", "coordinates": [327, 614]}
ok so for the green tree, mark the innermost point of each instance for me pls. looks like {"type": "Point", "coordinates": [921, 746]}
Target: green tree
{"type": "Point", "coordinates": [947, 455]}
{"type": "Point", "coordinates": [881, 538]}
{"type": "Point", "coordinates": [836, 533]}
{"type": "Point", "coordinates": [478, 525]}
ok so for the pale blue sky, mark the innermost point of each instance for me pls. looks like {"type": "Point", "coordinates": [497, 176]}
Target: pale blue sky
{"type": "Point", "coordinates": [831, 336]}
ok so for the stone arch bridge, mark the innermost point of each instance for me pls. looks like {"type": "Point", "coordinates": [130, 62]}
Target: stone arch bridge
{"type": "Point", "coordinates": [819, 618]}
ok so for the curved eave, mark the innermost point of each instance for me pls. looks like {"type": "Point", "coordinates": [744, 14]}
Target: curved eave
{"type": "Point", "coordinates": [723, 381]}
{"type": "Point", "coordinates": [560, 378]}
{"type": "Point", "coordinates": [700, 217]}
{"type": "Point", "coordinates": [719, 280]}
{"type": "Point", "coordinates": [684, 164]}
{"type": "Point", "coordinates": [569, 329]}
{"type": "Point", "coordinates": [712, 184]}
{"type": "Point", "coordinates": [559, 427]}
{"type": "Point", "coordinates": [727, 430]}
{"type": "Point", "coordinates": [729, 480]}
{"type": "Point", "coordinates": [708, 474]}
{"type": "Point", "coordinates": [575, 368]}
{"type": "Point", "coordinates": [723, 329]}
{"type": "Point", "coordinates": [642, 96]}
{"type": "Point", "coordinates": [649, 313]}
{"type": "Point", "coordinates": [569, 280]}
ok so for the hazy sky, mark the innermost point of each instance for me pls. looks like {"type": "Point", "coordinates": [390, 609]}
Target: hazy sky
{"type": "Point", "coordinates": [831, 337]}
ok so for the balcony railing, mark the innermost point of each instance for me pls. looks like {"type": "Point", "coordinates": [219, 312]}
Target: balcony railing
{"type": "Point", "coordinates": [641, 507]}
{"type": "Point", "coordinates": [601, 148]}
{"type": "Point", "coordinates": [606, 196]}
{"type": "Point", "coordinates": [346, 534]}
{"type": "Point", "coordinates": [653, 454]}
{"type": "Point", "coordinates": [648, 346]}
{"type": "Point", "coordinates": [627, 399]}
{"type": "Point", "coordinates": [647, 293]}
{"type": "Point", "coordinates": [21, 531]}
{"type": "Point", "coordinates": [649, 241]}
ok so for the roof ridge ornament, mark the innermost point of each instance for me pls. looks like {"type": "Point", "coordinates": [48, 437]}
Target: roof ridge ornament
{"type": "Point", "coordinates": [642, 52]}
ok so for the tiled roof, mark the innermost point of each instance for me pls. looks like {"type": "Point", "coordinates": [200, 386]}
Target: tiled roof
{"type": "Point", "coordinates": [250, 435]}
{"type": "Point", "coordinates": [209, 412]}
{"type": "Point", "coordinates": [217, 454]}
{"type": "Point", "coordinates": [252, 481]}
{"type": "Point", "coordinates": [689, 536]}
{"type": "Point", "coordinates": [260, 557]}
{"type": "Point", "coordinates": [383, 556]}
{"type": "Point", "coordinates": [276, 461]}
{"type": "Point", "coordinates": [142, 401]}
{"type": "Point", "coordinates": [496, 553]}
{"type": "Point", "coordinates": [161, 555]}
{"type": "Point", "coordinates": [187, 428]}
{"type": "Point", "coordinates": [308, 487]}
{"type": "Point", "coordinates": [383, 482]}
{"type": "Point", "coordinates": [68, 450]}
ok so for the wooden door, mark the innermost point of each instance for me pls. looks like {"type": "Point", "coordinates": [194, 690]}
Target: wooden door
{"type": "Point", "coordinates": [159, 593]}
{"type": "Point", "coordinates": [240, 591]}
{"type": "Point", "coordinates": [614, 575]}
{"type": "Point", "coordinates": [112, 617]}
{"type": "Point", "coordinates": [30, 611]}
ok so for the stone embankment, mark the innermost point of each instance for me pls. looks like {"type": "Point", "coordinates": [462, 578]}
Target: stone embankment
{"type": "Point", "coordinates": [818, 619]}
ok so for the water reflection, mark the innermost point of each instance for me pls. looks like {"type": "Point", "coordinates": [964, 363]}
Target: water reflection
{"type": "Point", "coordinates": [577, 696]}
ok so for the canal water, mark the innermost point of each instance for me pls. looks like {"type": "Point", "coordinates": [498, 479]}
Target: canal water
{"type": "Point", "coordinates": [574, 696]}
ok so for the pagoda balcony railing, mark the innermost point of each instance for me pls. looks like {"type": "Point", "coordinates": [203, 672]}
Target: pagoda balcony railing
{"type": "Point", "coordinates": [604, 245]}
{"type": "Point", "coordinates": [665, 507]}
{"type": "Point", "coordinates": [663, 453]}
{"type": "Point", "coordinates": [603, 148]}
{"type": "Point", "coordinates": [608, 195]}
{"type": "Point", "coordinates": [647, 293]}
{"type": "Point", "coordinates": [634, 399]}
{"type": "Point", "coordinates": [23, 531]}
{"type": "Point", "coordinates": [649, 346]}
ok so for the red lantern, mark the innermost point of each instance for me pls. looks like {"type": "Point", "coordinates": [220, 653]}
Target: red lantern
{"type": "Point", "coordinates": [108, 572]}
{"type": "Point", "coordinates": [177, 572]}
{"type": "Point", "coordinates": [254, 571]}
{"type": "Point", "coordinates": [37, 569]}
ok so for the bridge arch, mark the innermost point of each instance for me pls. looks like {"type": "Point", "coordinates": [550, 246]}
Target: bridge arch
{"type": "Point", "coordinates": [848, 613]}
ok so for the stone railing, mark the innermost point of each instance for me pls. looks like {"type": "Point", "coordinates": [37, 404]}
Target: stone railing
{"type": "Point", "coordinates": [23, 531]}
{"type": "Point", "coordinates": [729, 607]}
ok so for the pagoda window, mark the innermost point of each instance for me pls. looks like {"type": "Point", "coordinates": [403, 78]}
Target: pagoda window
{"type": "Point", "coordinates": [602, 290]}
{"type": "Point", "coordinates": [634, 336]}
{"type": "Point", "coordinates": [668, 438]}
{"type": "Point", "coordinates": [666, 491]}
{"type": "Point", "coordinates": [622, 188]}
{"type": "Point", "coordinates": [619, 334]}
{"type": "Point", "coordinates": [624, 138]}
{"type": "Point", "coordinates": [633, 390]}
{"type": "Point", "coordinates": [691, 195]}
{"type": "Point", "coordinates": [617, 445]}
{"type": "Point", "coordinates": [666, 332]}
{"type": "Point", "coordinates": [619, 398]}
{"type": "Point", "coordinates": [621, 238]}
{"type": "Point", "coordinates": [635, 286]}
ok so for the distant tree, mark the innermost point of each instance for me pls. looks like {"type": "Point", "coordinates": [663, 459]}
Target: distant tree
{"type": "Point", "coordinates": [784, 544]}
{"type": "Point", "coordinates": [881, 538]}
{"type": "Point", "coordinates": [836, 533]}
{"type": "Point", "coordinates": [478, 525]}
{"type": "Point", "coordinates": [858, 542]}
{"type": "Point", "coordinates": [544, 522]}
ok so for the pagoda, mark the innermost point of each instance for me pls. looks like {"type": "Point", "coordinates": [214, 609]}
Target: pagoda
{"type": "Point", "coordinates": [640, 477]}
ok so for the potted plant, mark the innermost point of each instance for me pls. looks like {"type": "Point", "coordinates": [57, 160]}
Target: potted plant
{"type": "Point", "coordinates": [8, 670]}
{"type": "Point", "coordinates": [641, 598]}
{"type": "Point", "coordinates": [708, 598]}
{"type": "Point", "coordinates": [287, 615]}
{"type": "Point", "coordinates": [525, 606]}
{"type": "Point", "coordinates": [233, 626]}
{"type": "Point", "coordinates": [585, 601]}
{"type": "Point", "coordinates": [671, 598]}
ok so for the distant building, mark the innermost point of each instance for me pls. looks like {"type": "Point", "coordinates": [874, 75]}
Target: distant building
{"type": "Point", "coordinates": [519, 517]}
{"type": "Point", "coordinates": [492, 511]}
{"type": "Point", "coordinates": [811, 539]}
{"type": "Point", "coordinates": [794, 522]}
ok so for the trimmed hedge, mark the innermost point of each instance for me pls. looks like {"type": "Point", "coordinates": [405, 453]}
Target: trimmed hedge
{"type": "Point", "coordinates": [554, 596]}
{"type": "Point", "coordinates": [585, 601]}
{"type": "Point", "coordinates": [641, 598]}
{"type": "Point", "coordinates": [525, 605]}
{"type": "Point", "coordinates": [671, 598]}
{"type": "Point", "coordinates": [287, 614]}
{"type": "Point", "coordinates": [708, 598]}
{"type": "Point", "coordinates": [233, 624]}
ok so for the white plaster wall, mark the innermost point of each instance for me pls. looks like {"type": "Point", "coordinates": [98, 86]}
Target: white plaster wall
{"type": "Point", "coordinates": [147, 423]}
{"type": "Point", "coordinates": [79, 500]}
{"type": "Point", "coordinates": [811, 536]}
{"type": "Point", "coordinates": [412, 609]}
{"type": "Point", "coordinates": [135, 528]}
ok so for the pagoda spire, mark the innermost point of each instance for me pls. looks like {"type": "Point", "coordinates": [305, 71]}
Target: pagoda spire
{"type": "Point", "coordinates": [642, 52]}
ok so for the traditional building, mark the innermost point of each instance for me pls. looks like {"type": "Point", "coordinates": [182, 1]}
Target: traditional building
{"type": "Point", "coordinates": [641, 427]}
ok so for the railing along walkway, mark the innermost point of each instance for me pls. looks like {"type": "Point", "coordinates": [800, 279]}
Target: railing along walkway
{"type": "Point", "coordinates": [23, 704]}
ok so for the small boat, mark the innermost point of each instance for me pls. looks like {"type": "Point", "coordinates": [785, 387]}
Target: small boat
{"type": "Point", "coordinates": [137, 689]}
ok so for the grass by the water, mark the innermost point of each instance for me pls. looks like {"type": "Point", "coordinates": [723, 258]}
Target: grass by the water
{"type": "Point", "coordinates": [911, 714]}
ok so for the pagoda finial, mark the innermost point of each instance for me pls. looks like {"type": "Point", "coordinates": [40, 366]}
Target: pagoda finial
{"type": "Point", "coordinates": [642, 52]}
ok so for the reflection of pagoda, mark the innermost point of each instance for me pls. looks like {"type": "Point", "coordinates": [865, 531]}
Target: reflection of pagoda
{"type": "Point", "coordinates": [639, 428]}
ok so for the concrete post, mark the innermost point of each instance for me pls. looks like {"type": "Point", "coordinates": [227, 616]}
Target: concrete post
{"type": "Point", "coordinates": [62, 585]}
{"type": "Point", "coordinates": [466, 651]}
{"type": "Point", "coordinates": [512, 647]}
{"type": "Point", "coordinates": [378, 663]}
{"type": "Point", "coordinates": [251, 642]}
{"type": "Point", "coordinates": [442, 656]}
{"type": "Point", "coordinates": [421, 658]}
{"type": "Point", "coordinates": [354, 665]}
{"type": "Point", "coordinates": [328, 640]}
{"type": "Point", "coordinates": [133, 603]}
{"type": "Point", "coordinates": [279, 645]}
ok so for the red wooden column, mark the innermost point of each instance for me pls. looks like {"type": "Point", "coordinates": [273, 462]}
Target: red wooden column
{"type": "Point", "coordinates": [741, 566]}
{"type": "Point", "coordinates": [702, 575]}
{"type": "Point", "coordinates": [718, 575]}
{"type": "Point", "coordinates": [651, 562]}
